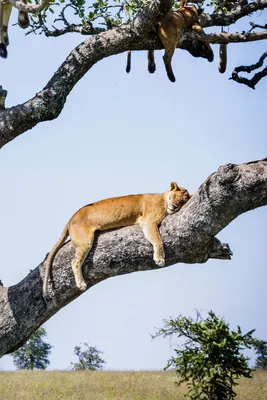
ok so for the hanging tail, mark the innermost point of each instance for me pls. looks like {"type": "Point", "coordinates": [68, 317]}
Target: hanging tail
{"type": "Point", "coordinates": [129, 59]}
{"type": "Point", "coordinates": [222, 58]}
{"type": "Point", "coordinates": [52, 254]}
{"type": "Point", "coordinates": [3, 50]}
{"type": "Point", "coordinates": [151, 61]}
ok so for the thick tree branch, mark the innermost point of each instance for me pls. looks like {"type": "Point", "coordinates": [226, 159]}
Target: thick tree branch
{"type": "Point", "coordinates": [188, 237]}
{"type": "Point", "coordinates": [49, 102]}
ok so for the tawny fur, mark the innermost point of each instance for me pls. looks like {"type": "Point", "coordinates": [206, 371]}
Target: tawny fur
{"type": "Point", "coordinates": [146, 210]}
{"type": "Point", "coordinates": [185, 17]}
{"type": "Point", "coordinates": [5, 12]}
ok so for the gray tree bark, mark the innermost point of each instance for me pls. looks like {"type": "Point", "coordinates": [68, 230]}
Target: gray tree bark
{"type": "Point", "coordinates": [189, 237]}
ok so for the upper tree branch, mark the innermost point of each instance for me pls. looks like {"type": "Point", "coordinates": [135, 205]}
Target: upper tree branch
{"type": "Point", "coordinates": [188, 237]}
{"type": "Point", "coordinates": [49, 102]}
{"type": "Point", "coordinates": [225, 19]}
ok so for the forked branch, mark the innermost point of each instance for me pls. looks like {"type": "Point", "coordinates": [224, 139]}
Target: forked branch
{"type": "Point", "coordinates": [249, 68]}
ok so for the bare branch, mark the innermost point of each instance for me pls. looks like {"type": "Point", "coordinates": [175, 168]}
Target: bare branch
{"type": "Point", "coordinates": [82, 29]}
{"type": "Point", "coordinates": [188, 237]}
{"type": "Point", "coordinates": [256, 78]}
{"type": "Point", "coordinates": [254, 26]}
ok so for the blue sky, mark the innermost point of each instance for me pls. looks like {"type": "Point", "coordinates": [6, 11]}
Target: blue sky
{"type": "Point", "coordinates": [120, 134]}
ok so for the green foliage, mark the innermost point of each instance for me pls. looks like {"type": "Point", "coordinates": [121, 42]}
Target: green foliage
{"type": "Point", "coordinates": [210, 359]}
{"type": "Point", "coordinates": [260, 347]}
{"type": "Point", "coordinates": [222, 6]}
{"type": "Point", "coordinates": [34, 353]}
{"type": "Point", "coordinates": [89, 358]}
{"type": "Point", "coordinates": [95, 15]}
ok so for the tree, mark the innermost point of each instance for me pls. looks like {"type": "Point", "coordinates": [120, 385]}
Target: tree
{"type": "Point", "coordinates": [227, 193]}
{"type": "Point", "coordinates": [210, 359]}
{"type": "Point", "coordinates": [102, 22]}
{"type": "Point", "coordinates": [260, 347]}
{"type": "Point", "coordinates": [89, 358]}
{"type": "Point", "coordinates": [188, 236]}
{"type": "Point", "coordinates": [34, 353]}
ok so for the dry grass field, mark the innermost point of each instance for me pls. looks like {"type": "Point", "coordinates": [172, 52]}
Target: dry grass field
{"type": "Point", "coordinates": [109, 385]}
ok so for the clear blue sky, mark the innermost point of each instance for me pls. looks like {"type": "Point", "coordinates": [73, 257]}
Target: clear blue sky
{"type": "Point", "coordinates": [120, 134]}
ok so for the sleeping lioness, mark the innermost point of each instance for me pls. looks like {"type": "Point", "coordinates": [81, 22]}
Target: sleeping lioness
{"type": "Point", "coordinates": [146, 210]}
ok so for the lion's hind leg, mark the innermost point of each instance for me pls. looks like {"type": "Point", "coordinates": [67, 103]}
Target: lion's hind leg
{"type": "Point", "coordinates": [169, 41]}
{"type": "Point", "coordinates": [83, 245]}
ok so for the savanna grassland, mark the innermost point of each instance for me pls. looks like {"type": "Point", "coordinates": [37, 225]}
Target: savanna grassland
{"type": "Point", "coordinates": [110, 385]}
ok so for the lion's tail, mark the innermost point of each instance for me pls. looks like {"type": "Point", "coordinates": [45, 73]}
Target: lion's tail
{"type": "Point", "coordinates": [52, 254]}
{"type": "Point", "coordinates": [222, 58]}
{"type": "Point", "coordinates": [128, 64]}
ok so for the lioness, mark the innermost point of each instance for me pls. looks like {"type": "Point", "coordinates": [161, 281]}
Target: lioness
{"type": "Point", "coordinates": [5, 12]}
{"type": "Point", "coordinates": [185, 17]}
{"type": "Point", "coordinates": [147, 210]}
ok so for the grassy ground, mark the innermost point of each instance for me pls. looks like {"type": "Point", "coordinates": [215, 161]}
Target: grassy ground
{"type": "Point", "coordinates": [109, 385]}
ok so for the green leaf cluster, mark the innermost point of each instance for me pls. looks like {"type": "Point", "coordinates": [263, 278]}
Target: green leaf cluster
{"type": "Point", "coordinates": [210, 359]}
{"type": "Point", "coordinates": [260, 347]}
{"type": "Point", "coordinates": [95, 14]}
{"type": "Point", "coordinates": [89, 358]}
{"type": "Point", "coordinates": [34, 353]}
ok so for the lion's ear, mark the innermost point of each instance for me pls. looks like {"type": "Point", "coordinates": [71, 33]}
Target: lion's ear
{"type": "Point", "coordinates": [174, 186]}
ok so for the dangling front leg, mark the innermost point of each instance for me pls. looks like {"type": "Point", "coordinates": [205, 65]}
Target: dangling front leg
{"type": "Point", "coordinates": [152, 234]}
{"type": "Point", "coordinates": [83, 242]}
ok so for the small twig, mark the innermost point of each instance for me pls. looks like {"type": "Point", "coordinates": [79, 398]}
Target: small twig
{"type": "Point", "coordinates": [83, 30]}
{"type": "Point", "coordinates": [3, 94]}
{"type": "Point", "coordinates": [62, 16]}
{"type": "Point", "coordinates": [254, 26]}
{"type": "Point", "coordinates": [106, 7]}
